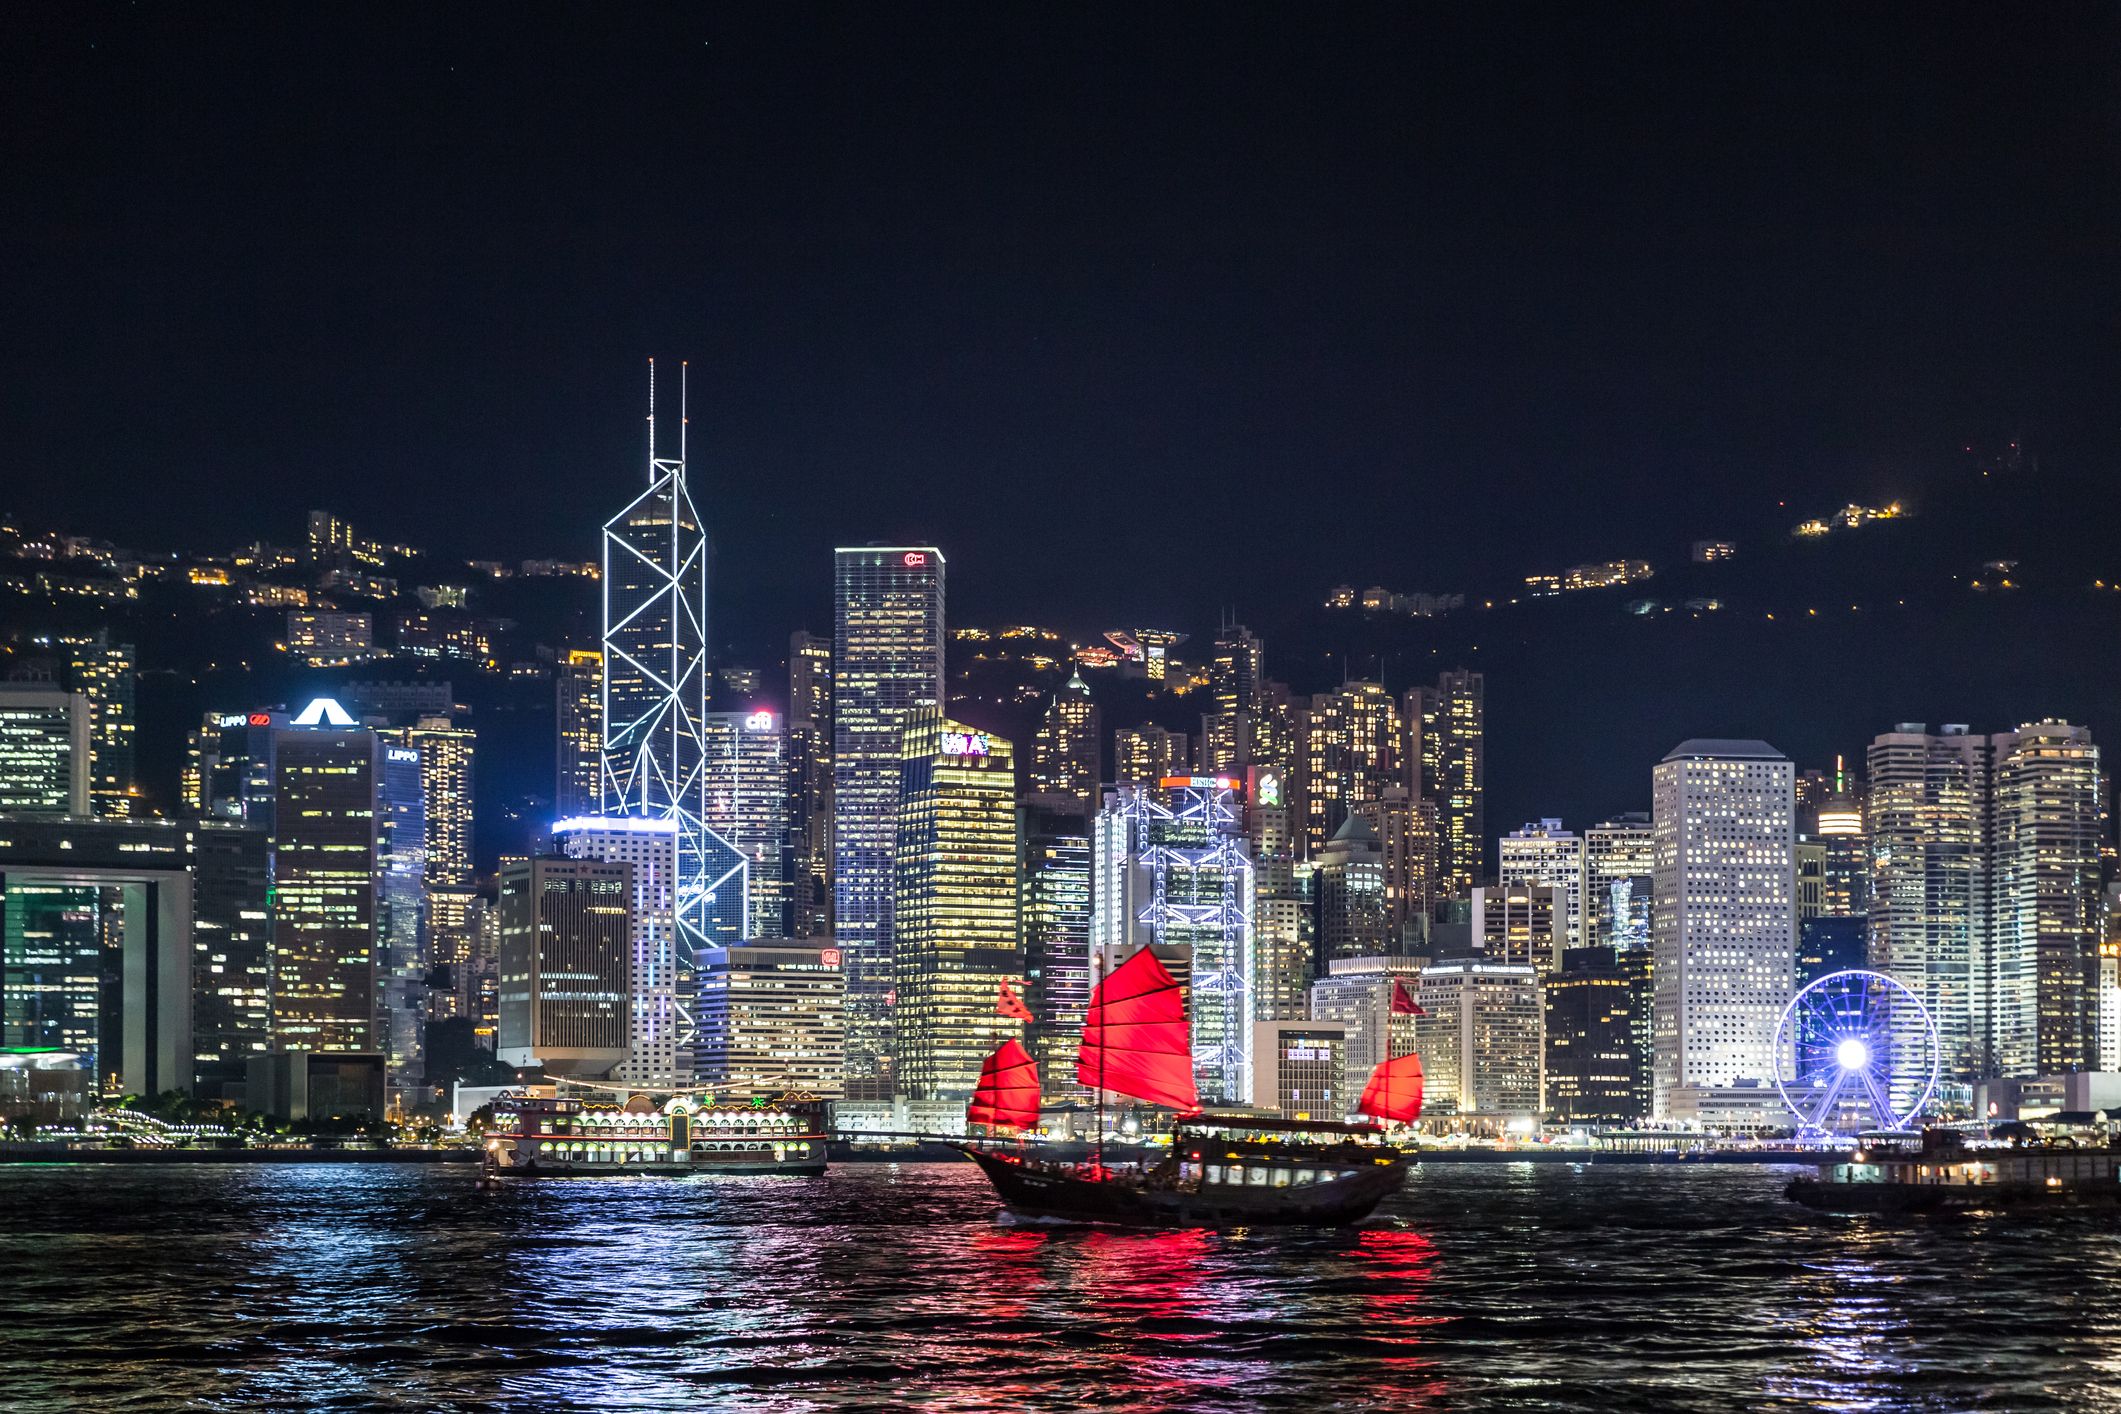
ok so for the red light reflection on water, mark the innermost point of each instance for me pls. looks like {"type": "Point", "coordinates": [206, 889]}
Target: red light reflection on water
{"type": "Point", "coordinates": [1396, 1268]}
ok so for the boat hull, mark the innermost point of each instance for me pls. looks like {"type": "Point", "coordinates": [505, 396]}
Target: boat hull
{"type": "Point", "coordinates": [1944, 1198]}
{"type": "Point", "coordinates": [1035, 1190]}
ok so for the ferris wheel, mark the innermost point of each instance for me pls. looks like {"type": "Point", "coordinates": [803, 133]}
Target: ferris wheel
{"type": "Point", "coordinates": [1856, 1050]}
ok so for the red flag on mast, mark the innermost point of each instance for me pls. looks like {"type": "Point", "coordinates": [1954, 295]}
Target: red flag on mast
{"type": "Point", "coordinates": [1009, 1004]}
{"type": "Point", "coordinates": [1008, 1088]}
{"type": "Point", "coordinates": [1135, 1040]}
{"type": "Point", "coordinates": [1403, 1003]}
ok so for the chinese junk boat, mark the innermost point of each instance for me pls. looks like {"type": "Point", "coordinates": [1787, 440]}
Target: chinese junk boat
{"type": "Point", "coordinates": [1223, 1170]}
{"type": "Point", "coordinates": [547, 1136]}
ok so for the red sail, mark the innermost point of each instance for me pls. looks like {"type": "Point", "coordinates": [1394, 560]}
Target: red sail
{"type": "Point", "coordinates": [1394, 1091]}
{"type": "Point", "coordinates": [1008, 1088]}
{"type": "Point", "coordinates": [1135, 1040]}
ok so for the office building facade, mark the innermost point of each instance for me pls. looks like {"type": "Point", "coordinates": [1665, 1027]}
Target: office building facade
{"type": "Point", "coordinates": [1724, 920]}
{"type": "Point", "coordinates": [888, 606]}
{"type": "Point", "coordinates": [954, 918]}
{"type": "Point", "coordinates": [565, 965]}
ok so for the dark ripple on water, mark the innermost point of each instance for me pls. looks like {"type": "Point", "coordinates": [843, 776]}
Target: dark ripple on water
{"type": "Point", "coordinates": [1479, 1288]}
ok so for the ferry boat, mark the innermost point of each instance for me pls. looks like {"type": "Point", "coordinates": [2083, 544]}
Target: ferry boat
{"type": "Point", "coordinates": [552, 1136]}
{"type": "Point", "coordinates": [1946, 1175]}
{"type": "Point", "coordinates": [1222, 1170]}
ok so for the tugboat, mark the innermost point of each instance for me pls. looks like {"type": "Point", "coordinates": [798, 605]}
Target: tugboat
{"type": "Point", "coordinates": [1222, 1170]}
{"type": "Point", "coordinates": [548, 1136]}
{"type": "Point", "coordinates": [1945, 1175]}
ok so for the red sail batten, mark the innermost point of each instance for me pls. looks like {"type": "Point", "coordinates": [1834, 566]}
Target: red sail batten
{"type": "Point", "coordinates": [1394, 1091]}
{"type": "Point", "coordinates": [1135, 1039]}
{"type": "Point", "coordinates": [1007, 1093]}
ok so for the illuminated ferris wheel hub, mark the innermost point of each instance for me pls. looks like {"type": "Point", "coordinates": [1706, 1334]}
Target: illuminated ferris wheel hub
{"type": "Point", "coordinates": [1856, 1050]}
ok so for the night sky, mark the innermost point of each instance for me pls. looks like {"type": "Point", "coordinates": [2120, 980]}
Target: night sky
{"type": "Point", "coordinates": [1137, 314]}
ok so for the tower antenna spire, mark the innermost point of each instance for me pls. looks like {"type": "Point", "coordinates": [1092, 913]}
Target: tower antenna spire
{"type": "Point", "coordinates": [684, 405]}
{"type": "Point", "coordinates": [651, 419]}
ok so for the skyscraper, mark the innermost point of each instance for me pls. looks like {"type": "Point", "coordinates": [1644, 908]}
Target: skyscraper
{"type": "Point", "coordinates": [578, 712]}
{"type": "Point", "coordinates": [1617, 873]}
{"type": "Point", "coordinates": [747, 805]}
{"type": "Point", "coordinates": [1724, 921]}
{"type": "Point", "coordinates": [1284, 927]}
{"type": "Point", "coordinates": [810, 785]}
{"type": "Point", "coordinates": [103, 672]}
{"type": "Point", "coordinates": [324, 786]}
{"type": "Point", "coordinates": [1929, 808]}
{"type": "Point", "coordinates": [2044, 892]}
{"type": "Point", "coordinates": [772, 1019]}
{"type": "Point", "coordinates": [446, 783]}
{"type": "Point", "coordinates": [1354, 916]}
{"type": "Point", "coordinates": [1173, 872]}
{"type": "Point", "coordinates": [1521, 923]}
{"type": "Point", "coordinates": [402, 955]}
{"type": "Point", "coordinates": [1350, 749]}
{"type": "Point", "coordinates": [887, 662]}
{"type": "Point", "coordinates": [1053, 833]}
{"type": "Point", "coordinates": [44, 750]}
{"type": "Point", "coordinates": [95, 936]}
{"type": "Point", "coordinates": [565, 979]}
{"type": "Point", "coordinates": [1066, 755]}
{"type": "Point", "coordinates": [1231, 735]}
{"type": "Point", "coordinates": [954, 925]}
{"type": "Point", "coordinates": [655, 694]}
{"type": "Point", "coordinates": [1542, 852]}
{"type": "Point", "coordinates": [1452, 754]}
{"type": "Point", "coordinates": [1144, 755]}
{"type": "Point", "coordinates": [1598, 1061]}
{"type": "Point", "coordinates": [231, 868]}
{"type": "Point", "coordinates": [659, 1019]}
{"type": "Point", "coordinates": [1406, 828]}
{"type": "Point", "coordinates": [1482, 1040]}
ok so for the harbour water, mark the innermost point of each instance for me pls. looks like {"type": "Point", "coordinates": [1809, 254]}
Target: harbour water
{"type": "Point", "coordinates": [1488, 1287]}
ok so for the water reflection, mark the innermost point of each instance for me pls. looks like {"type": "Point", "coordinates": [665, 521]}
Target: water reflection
{"type": "Point", "coordinates": [895, 1288]}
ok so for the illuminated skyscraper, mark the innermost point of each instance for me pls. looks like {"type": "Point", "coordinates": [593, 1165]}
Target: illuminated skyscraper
{"type": "Point", "coordinates": [810, 785]}
{"type": "Point", "coordinates": [1354, 916]}
{"type": "Point", "coordinates": [657, 1053]}
{"type": "Point", "coordinates": [1617, 882]}
{"type": "Point", "coordinates": [1350, 749]}
{"type": "Point", "coordinates": [1232, 735]}
{"type": "Point", "coordinates": [1724, 921]}
{"type": "Point", "coordinates": [1406, 830]}
{"type": "Point", "coordinates": [1144, 755]}
{"type": "Point", "coordinates": [1448, 722]}
{"type": "Point", "coordinates": [1521, 923]}
{"type": "Point", "coordinates": [954, 918]}
{"type": "Point", "coordinates": [1172, 871]}
{"type": "Point", "coordinates": [655, 696]}
{"type": "Point", "coordinates": [578, 710]}
{"type": "Point", "coordinates": [103, 672]}
{"type": "Point", "coordinates": [773, 1019]}
{"type": "Point", "coordinates": [1929, 905]}
{"type": "Point", "coordinates": [747, 805]}
{"type": "Point", "coordinates": [446, 757]}
{"type": "Point", "coordinates": [564, 965]}
{"type": "Point", "coordinates": [324, 786]}
{"type": "Point", "coordinates": [44, 750]}
{"type": "Point", "coordinates": [1066, 755]}
{"type": "Point", "coordinates": [1541, 852]}
{"type": "Point", "coordinates": [1284, 926]}
{"type": "Point", "coordinates": [2045, 904]}
{"type": "Point", "coordinates": [887, 662]}
{"type": "Point", "coordinates": [1053, 833]}
{"type": "Point", "coordinates": [402, 956]}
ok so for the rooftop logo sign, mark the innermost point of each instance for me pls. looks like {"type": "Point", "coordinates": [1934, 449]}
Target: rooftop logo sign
{"type": "Point", "coordinates": [324, 712]}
